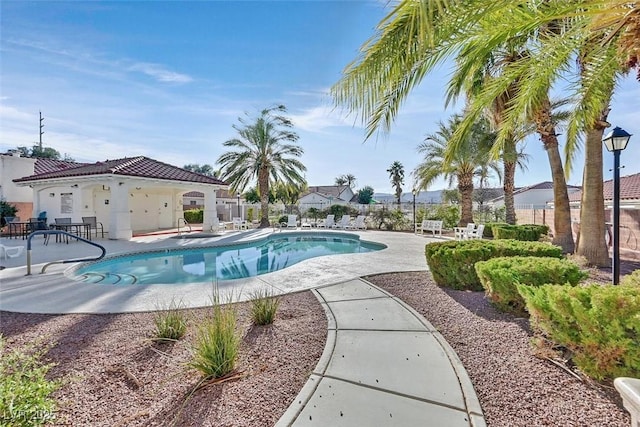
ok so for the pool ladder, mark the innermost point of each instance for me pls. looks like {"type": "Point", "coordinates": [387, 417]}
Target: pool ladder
{"type": "Point", "coordinates": [46, 234]}
{"type": "Point", "coordinates": [186, 224]}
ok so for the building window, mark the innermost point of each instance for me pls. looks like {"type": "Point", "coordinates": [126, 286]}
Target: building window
{"type": "Point", "coordinates": [192, 203]}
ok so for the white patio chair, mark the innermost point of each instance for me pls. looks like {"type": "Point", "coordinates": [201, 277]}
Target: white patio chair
{"type": "Point", "coordinates": [344, 223]}
{"type": "Point", "coordinates": [239, 224]}
{"type": "Point", "coordinates": [460, 233]}
{"type": "Point", "coordinates": [476, 233]}
{"type": "Point", "coordinates": [329, 222]}
{"type": "Point", "coordinates": [359, 223]}
{"type": "Point", "coordinates": [7, 252]}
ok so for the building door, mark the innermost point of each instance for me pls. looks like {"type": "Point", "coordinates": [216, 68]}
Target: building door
{"type": "Point", "coordinates": [165, 211]}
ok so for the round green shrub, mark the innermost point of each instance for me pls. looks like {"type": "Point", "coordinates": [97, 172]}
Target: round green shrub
{"type": "Point", "coordinates": [499, 277]}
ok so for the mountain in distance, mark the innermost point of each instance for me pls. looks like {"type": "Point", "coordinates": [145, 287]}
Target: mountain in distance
{"type": "Point", "coordinates": [422, 197]}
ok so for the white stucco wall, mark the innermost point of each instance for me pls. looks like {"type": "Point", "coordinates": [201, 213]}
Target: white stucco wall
{"type": "Point", "coordinates": [13, 167]}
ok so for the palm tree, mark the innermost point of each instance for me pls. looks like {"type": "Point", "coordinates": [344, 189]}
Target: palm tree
{"type": "Point", "coordinates": [396, 175]}
{"type": "Point", "coordinates": [341, 180]}
{"type": "Point", "coordinates": [418, 35]}
{"type": "Point", "coordinates": [265, 152]}
{"type": "Point", "coordinates": [460, 165]}
{"type": "Point", "coordinates": [351, 180]}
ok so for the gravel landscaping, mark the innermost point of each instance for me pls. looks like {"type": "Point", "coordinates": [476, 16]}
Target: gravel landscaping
{"type": "Point", "coordinates": [115, 375]}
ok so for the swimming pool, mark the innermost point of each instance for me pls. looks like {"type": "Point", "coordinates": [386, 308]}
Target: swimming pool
{"type": "Point", "coordinates": [175, 266]}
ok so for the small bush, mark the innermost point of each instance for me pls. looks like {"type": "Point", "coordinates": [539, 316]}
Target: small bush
{"type": "Point", "coordinates": [599, 324]}
{"type": "Point", "coordinates": [632, 279]}
{"type": "Point", "coordinates": [216, 346]}
{"type": "Point", "coordinates": [452, 263]}
{"type": "Point", "coordinates": [24, 389]}
{"type": "Point", "coordinates": [194, 216]}
{"type": "Point", "coordinates": [526, 232]}
{"type": "Point", "coordinates": [488, 230]}
{"type": "Point", "coordinates": [499, 277]}
{"type": "Point", "coordinates": [264, 306]}
{"type": "Point", "coordinates": [171, 322]}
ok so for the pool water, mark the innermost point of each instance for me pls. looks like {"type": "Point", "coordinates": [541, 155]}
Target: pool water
{"type": "Point", "coordinates": [174, 266]}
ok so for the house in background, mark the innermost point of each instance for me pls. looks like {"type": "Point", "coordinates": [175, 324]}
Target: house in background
{"type": "Point", "coordinates": [12, 166]}
{"type": "Point", "coordinates": [127, 195]}
{"type": "Point", "coordinates": [323, 196]}
{"type": "Point", "coordinates": [227, 204]}
{"type": "Point", "coordinates": [532, 197]}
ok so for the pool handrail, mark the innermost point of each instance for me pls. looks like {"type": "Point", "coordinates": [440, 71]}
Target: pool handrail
{"type": "Point", "coordinates": [186, 225]}
{"type": "Point", "coordinates": [46, 233]}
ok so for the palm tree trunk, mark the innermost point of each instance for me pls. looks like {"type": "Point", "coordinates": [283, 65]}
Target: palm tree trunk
{"type": "Point", "coordinates": [509, 165]}
{"type": "Point", "coordinates": [263, 190]}
{"type": "Point", "coordinates": [563, 235]}
{"type": "Point", "coordinates": [465, 187]}
{"type": "Point", "coordinates": [592, 244]}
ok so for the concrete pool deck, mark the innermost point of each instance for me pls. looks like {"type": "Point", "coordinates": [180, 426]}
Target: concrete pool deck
{"type": "Point", "coordinates": [52, 292]}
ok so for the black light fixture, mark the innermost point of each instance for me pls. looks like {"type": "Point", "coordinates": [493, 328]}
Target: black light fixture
{"type": "Point", "coordinates": [415, 226]}
{"type": "Point", "coordinates": [616, 141]}
{"type": "Point", "coordinates": [238, 204]}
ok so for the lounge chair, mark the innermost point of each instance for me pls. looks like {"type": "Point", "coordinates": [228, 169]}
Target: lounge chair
{"type": "Point", "coordinates": [327, 223]}
{"type": "Point", "coordinates": [344, 223]}
{"type": "Point", "coordinates": [11, 251]}
{"type": "Point", "coordinates": [292, 222]}
{"type": "Point", "coordinates": [359, 223]}
{"type": "Point", "coordinates": [93, 224]}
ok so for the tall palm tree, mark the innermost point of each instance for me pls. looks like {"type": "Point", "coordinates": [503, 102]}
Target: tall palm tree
{"type": "Point", "coordinates": [460, 165]}
{"type": "Point", "coordinates": [341, 180]}
{"type": "Point", "coordinates": [418, 35]}
{"type": "Point", "coordinates": [396, 175]}
{"type": "Point", "coordinates": [265, 152]}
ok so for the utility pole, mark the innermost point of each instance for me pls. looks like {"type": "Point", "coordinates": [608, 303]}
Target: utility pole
{"type": "Point", "coordinates": [41, 131]}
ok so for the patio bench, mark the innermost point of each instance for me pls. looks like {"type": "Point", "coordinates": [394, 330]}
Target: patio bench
{"type": "Point", "coordinates": [434, 226]}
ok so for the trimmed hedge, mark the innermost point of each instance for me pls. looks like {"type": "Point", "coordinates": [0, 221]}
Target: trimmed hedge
{"type": "Point", "coordinates": [499, 277]}
{"type": "Point", "coordinates": [452, 263]}
{"type": "Point", "coordinates": [488, 228]}
{"type": "Point", "coordinates": [194, 216]}
{"type": "Point", "coordinates": [599, 324]}
{"type": "Point", "coordinates": [525, 232]}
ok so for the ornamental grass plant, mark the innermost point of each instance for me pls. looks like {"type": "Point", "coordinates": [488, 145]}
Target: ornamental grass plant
{"type": "Point", "coordinates": [264, 306]}
{"type": "Point", "coordinates": [170, 322]}
{"type": "Point", "coordinates": [217, 342]}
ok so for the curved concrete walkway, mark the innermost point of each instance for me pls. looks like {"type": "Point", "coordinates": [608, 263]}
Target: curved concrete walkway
{"type": "Point", "coordinates": [383, 365]}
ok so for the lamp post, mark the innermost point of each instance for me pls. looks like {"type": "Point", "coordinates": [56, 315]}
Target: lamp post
{"type": "Point", "coordinates": [413, 192]}
{"type": "Point", "coordinates": [616, 141]}
{"type": "Point", "coordinates": [238, 203]}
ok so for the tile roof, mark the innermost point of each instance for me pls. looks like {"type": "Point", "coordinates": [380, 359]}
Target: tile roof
{"type": "Point", "coordinates": [51, 165]}
{"type": "Point", "coordinates": [140, 166]}
{"type": "Point", "coordinates": [629, 189]}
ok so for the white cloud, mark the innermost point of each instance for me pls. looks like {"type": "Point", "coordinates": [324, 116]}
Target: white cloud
{"type": "Point", "coordinates": [319, 119]}
{"type": "Point", "coordinates": [160, 73]}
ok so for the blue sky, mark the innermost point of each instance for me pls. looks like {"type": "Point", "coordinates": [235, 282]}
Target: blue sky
{"type": "Point", "coordinates": [168, 80]}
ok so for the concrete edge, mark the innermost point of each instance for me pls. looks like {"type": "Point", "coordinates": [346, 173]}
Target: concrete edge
{"type": "Point", "coordinates": [301, 399]}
